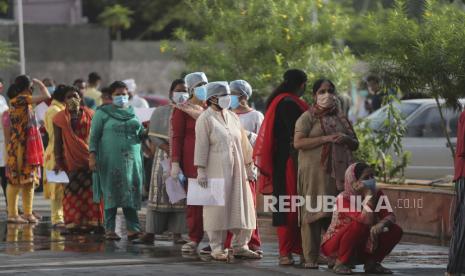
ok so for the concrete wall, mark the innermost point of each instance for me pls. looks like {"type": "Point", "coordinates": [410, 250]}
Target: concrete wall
{"type": "Point", "coordinates": [65, 53]}
{"type": "Point", "coordinates": [143, 61]}
{"type": "Point", "coordinates": [51, 11]}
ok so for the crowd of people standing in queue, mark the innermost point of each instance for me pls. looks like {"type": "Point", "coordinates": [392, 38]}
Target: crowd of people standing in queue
{"type": "Point", "coordinates": [208, 131]}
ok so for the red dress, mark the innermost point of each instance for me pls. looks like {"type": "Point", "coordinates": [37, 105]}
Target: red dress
{"type": "Point", "coordinates": [348, 237]}
{"type": "Point", "coordinates": [182, 151]}
{"type": "Point", "coordinates": [183, 142]}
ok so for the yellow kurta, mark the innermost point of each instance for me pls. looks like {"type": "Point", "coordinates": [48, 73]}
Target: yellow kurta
{"type": "Point", "coordinates": [51, 190]}
{"type": "Point", "coordinates": [96, 95]}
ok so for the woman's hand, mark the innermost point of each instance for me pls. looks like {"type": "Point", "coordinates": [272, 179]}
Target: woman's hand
{"type": "Point", "coordinates": [251, 174]}
{"type": "Point", "coordinates": [44, 94]}
{"type": "Point", "coordinates": [57, 168]}
{"type": "Point", "coordinates": [331, 138]}
{"type": "Point", "coordinates": [376, 230]}
{"type": "Point", "coordinates": [347, 140]}
{"type": "Point", "coordinates": [175, 170]}
{"type": "Point", "coordinates": [202, 178]}
{"type": "Point", "coordinates": [92, 162]}
{"type": "Point", "coordinates": [343, 139]}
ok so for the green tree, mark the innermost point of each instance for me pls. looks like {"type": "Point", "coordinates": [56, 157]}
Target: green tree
{"type": "Point", "coordinates": [151, 19]}
{"type": "Point", "coordinates": [8, 54]}
{"type": "Point", "coordinates": [259, 39]}
{"type": "Point", "coordinates": [421, 55]}
{"type": "Point", "coordinates": [116, 18]}
{"type": "Point", "coordinates": [383, 149]}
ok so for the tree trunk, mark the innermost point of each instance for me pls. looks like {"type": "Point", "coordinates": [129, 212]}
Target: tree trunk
{"type": "Point", "coordinates": [444, 128]}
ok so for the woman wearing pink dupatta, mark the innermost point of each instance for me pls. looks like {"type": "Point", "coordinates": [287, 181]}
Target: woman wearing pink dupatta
{"type": "Point", "coordinates": [360, 236]}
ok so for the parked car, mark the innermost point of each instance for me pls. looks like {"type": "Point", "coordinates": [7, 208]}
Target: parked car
{"type": "Point", "coordinates": [425, 139]}
{"type": "Point", "coordinates": [156, 101]}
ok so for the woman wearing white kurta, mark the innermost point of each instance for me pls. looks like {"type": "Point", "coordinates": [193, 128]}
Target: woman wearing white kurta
{"type": "Point", "coordinates": [223, 151]}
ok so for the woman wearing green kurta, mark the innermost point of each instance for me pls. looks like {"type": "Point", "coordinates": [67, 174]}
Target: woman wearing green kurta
{"type": "Point", "coordinates": [115, 146]}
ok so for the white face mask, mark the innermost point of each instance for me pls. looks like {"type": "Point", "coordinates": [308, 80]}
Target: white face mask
{"type": "Point", "coordinates": [326, 100]}
{"type": "Point", "coordinates": [180, 97]}
{"type": "Point", "coordinates": [224, 102]}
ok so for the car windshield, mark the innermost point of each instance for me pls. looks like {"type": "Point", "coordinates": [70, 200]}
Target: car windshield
{"type": "Point", "coordinates": [378, 117]}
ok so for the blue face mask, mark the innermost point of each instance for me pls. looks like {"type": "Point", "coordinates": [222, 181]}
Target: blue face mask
{"type": "Point", "coordinates": [120, 100]}
{"type": "Point", "coordinates": [51, 89]}
{"type": "Point", "coordinates": [235, 102]}
{"type": "Point", "coordinates": [370, 184]}
{"type": "Point", "coordinates": [201, 93]}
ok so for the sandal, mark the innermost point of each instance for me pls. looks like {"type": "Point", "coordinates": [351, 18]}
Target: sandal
{"type": "Point", "coordinates": [180, 241]}
{"type": "Point", "coordinates": [134, 236]}
{"type": "Point", "coordinates": [189, 247]}
{"type": "Point", "coordinates": [342, 269]}
{"type": "Point", "coordinates": [148, 239]}
{"type": "Point", "coordinates": [256, 249]}
{"type": "Point", "coordinates": [242, 253]}
{"type": "Point", "coordinates": [59, 225]}
{"type": "Point", "coordinates": [112, 236]}
{"type": "Point", "coordinates": [377, 268]}
{"type": "Point", "coordinates": [286, 260]}
{"type": "Point", "coordinates": [17, 220]}
{"type": "Point", "coordinates": [36, 215]}
{"type": "Point", "coordinates": [221, 257]}
{"type": "Point", "coordinates": [30, 218]}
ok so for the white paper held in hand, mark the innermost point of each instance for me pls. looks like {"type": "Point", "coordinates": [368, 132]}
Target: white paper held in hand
{"type": "Point", "coordinates": [53, 177]}
{"type": "Point", "coordinates": [174, 190]}
{"type": "Point", "coordinates": [213, 195]}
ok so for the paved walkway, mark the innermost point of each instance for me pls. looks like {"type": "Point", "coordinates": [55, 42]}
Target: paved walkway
{"type": "Point", "coordinates": [37, 250]}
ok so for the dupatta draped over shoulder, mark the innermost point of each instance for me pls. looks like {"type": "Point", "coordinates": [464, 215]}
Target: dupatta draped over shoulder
{"type": "Point", "coordinates": [76, 148]}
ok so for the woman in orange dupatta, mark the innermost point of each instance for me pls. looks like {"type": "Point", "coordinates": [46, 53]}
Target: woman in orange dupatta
{"type": "Point", "coordinates": [72, 129]}
{"type": "Point", "coordinates": [25, 149]}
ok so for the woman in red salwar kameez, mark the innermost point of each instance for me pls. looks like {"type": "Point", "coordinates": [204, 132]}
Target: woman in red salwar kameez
{"type": "Point", "coordinates": [182, 142]}
{"type": "Point", "coordinates": [72, 129]}
{"type": "Point", "coordinates": [356, 236]}
{"type": "Point", "coordinates": [276, 158]}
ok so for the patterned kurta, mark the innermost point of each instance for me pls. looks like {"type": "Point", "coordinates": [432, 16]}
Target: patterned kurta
{"type": "Point", "coordinates": [78, 206]}
{"type": "Point", "coordinates": [221, 146]}
{"type": "Point", "coordinates": [116, 136]}
{"type": "Point", "coordinates": [160, 124]}
{"type": "Point", "coordinates": [20, 172]}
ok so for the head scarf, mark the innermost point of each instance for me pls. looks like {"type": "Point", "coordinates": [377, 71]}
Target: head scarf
{"type": "Point", "coordinates": [349, 180]}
